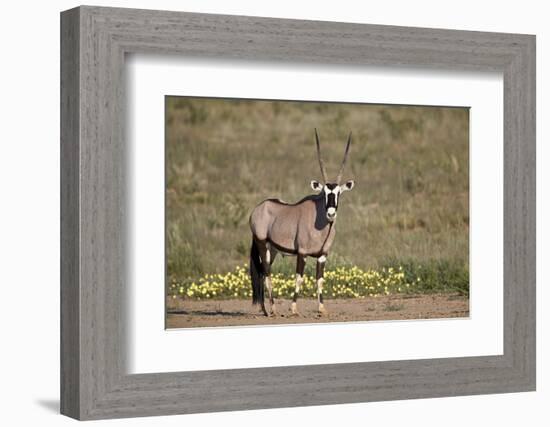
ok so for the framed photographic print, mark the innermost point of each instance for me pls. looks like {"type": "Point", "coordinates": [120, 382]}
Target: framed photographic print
{"type": "Point", "coordinates": [345, 210]}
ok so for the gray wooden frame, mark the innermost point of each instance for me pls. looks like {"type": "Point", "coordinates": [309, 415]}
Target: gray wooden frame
{"type": "Point", "coordinates": [94, 382]}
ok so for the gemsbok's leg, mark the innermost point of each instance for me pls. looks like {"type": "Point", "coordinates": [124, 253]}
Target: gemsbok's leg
{"type": "Point", "coordinates": [300, 265]}
{"type": "Point", "coordinates": [267, 255]}
{"type": "Point", "coordinates": [265, 260]}
{"type": "Point", "coordinates": [270, 257]}
{"type": "Point", "coordinates": [319, 276]}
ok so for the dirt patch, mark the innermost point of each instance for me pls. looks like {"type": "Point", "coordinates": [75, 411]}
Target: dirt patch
{"type": "Point", "coordinates": [191, 314]}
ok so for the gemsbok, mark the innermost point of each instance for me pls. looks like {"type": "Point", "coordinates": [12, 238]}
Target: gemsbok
{"type": "Point", "coordinates": [303, 229]}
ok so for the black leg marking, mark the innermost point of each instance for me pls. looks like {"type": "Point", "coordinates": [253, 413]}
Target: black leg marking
{"type": "Point", "coordinates": [263, 249]}
{"type": "Point", "coordinates": [300, 266]}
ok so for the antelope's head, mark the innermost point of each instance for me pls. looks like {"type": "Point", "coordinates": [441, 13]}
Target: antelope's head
{"type": "Point", "coordinates": [331, 190]}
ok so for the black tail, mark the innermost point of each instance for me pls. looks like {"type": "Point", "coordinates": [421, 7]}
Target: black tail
{"type": "Point", "coordinates": [256, 275]}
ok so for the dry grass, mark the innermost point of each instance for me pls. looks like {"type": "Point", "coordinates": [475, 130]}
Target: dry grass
{"type": "Point", "coordinates": [410, 165]}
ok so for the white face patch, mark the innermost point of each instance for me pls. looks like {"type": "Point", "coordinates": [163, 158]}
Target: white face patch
{"type": "Point", "coordinates": [336, 191]}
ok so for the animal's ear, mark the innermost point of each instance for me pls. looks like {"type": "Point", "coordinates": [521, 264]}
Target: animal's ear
{"type": "Point", "coordinates": [347, 186]}
{"type": "Point", "coordinates": [316, 185]}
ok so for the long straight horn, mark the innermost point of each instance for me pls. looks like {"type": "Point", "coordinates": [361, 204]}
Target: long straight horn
{"type": "Point", "coordinates": [339, 177]}
{"type": "Point", "coordinates": [321, 164]}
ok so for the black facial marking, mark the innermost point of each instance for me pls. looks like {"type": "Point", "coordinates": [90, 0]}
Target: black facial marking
{"type": "Point", "coordinates": [331, 197]}
{"type": "Point", "coordinates": [331, 202]}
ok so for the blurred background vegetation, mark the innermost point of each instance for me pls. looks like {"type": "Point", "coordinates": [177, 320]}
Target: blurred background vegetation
{"type": "Point", "coordinates": [410, 205]}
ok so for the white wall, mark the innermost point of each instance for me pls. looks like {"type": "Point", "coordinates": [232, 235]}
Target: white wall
{"type": "Point", "coordinates": [29, 225]}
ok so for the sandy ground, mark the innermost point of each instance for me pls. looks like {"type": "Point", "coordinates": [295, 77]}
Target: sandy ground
{"type": "Point", "coordinates": [190, 314]}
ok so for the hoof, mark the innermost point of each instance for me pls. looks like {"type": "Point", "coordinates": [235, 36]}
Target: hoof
{"type": "Point", "coordinates": [294, 310]}
{"type": "Point", "coordinates": [322, 310]}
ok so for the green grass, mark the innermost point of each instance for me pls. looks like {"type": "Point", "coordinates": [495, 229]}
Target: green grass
{"type": "Point", "coordinates": [410, 204]}
{"type": "Point", "coordinates": [435, 276]}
